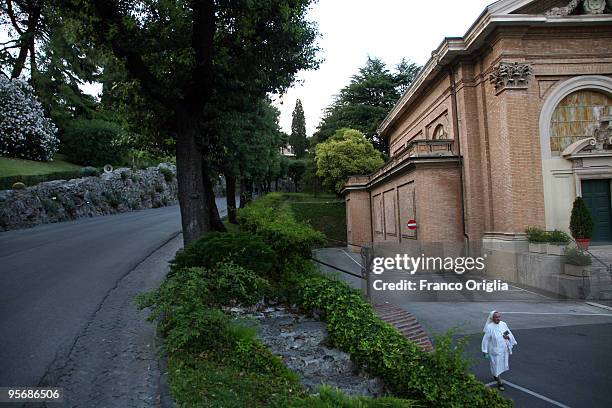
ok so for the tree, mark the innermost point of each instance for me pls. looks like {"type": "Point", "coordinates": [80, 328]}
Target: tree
{"type": "Point", "coordinates": [25, 132]}
{"type": "Point", "coordinates": [366, 101]}
{"type": "Point", "coordinates": [296, 170]}
{"type": "Point", "coordinates": [581, 220]}
{"type": "Point", "coordinates": [345, 154]}
{"type": "Point", "coordinates": [298, 139]}
{"type": "Point", "coordinates": [186, 55]}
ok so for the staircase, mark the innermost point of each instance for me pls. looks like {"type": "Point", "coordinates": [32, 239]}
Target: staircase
{"type": "Point", "coordinates": [601, 276]}
{"type": "Point", "coordinates": [406, 323]}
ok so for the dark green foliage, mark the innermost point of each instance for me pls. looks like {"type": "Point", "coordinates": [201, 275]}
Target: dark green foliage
{"type": "Point", "coordinates": [90, 142]}
{"type": "Point", "coordinates": [581, 221]}
{"type": "Point", "coordinates": [536, 235]}
{"type": "Point", "coordinates": [440, 378]}
{"type": "Point", "coordinates": [89, 171]}
{"type": "Point", "coordinates": [297, 139]}
{"type": "Point", "coordinates": [332, 398]}
{"type": "Point", "coordinates": [241, 248]}
{"type": "Point", "coordinates": [366, 101]}
{"type": "Point", "coordinates": [7, 182]}
{"type": "Point", "coordinates": [296, 171]}
{"type": "Point", "coordinates": [268, 218]}
{"type": "Point", "coordinates": [167, 173]}
{"type": "Point", "coordinates": [125, 175]}
{"type": "Point", "coordinates": [184, 305]}
{"type": "Point", "coordinates": [575, 256]}
{"type": "Point", "coordinates": [51, 207]}
{"type": "Point", "coordinates": [558, 237]}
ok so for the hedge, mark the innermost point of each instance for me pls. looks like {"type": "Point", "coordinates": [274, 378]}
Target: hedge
{"type": "Point", "coordinates": [440, 377]}
{"type": "Point", "coordinates": [6, 183]}
{"type": "Point", "coordinates": [275, 224]}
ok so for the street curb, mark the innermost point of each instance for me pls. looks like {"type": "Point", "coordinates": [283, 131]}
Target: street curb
{"type": "Point", "coordinates": [599, 305]}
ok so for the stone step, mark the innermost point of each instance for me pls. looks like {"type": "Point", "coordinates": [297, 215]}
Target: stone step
{"type": "Point", "coordinates": [406, 323]}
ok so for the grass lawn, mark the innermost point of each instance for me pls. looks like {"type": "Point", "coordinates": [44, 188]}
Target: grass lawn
{"type": "Point", "coordinates": [20, 167]}
{"type": "Point", "coordinates": [326, 213]}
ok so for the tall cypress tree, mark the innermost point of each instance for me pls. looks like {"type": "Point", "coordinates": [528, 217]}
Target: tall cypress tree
{"type": "Point", "coordinates": [298, 131]}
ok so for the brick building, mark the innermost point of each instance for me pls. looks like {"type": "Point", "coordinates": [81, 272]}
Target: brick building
{"type": "Point", "coordinates": [501, 130]}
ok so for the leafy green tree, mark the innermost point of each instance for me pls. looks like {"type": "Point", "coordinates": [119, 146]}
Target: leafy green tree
{"type": "Point", "coordinates": [366, 101]}
{"type": "Point", "coordinates": [186, 56]}
{"type": "Point", "coordinates": [345, 154]}
{"type": "Point", "coordinates": [296, 170]}
{"type": "Point", "coordinates": [298, 139]}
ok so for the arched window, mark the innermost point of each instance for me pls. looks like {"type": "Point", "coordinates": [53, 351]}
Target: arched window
{"type": "Point", "coordinates": [439, 133]}
{"type": "Point", "coordinates": [576, 117]}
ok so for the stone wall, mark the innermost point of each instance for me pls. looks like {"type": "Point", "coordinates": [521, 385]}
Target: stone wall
{"type": "Point", "coordinates": [115, 192]}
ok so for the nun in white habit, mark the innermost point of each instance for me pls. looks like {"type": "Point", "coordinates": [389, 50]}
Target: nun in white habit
{"type": "Point", "coordinates": [497, 344]}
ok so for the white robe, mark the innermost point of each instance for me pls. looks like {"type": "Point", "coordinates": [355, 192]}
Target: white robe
{"type": "Point", "coordinates": [498, 348]}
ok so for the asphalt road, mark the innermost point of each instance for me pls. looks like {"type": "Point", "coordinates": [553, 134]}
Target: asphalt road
{"type": "Point", "coordinates": [55, 277]}
{"type": "Point", "coordinates": [564, 352]}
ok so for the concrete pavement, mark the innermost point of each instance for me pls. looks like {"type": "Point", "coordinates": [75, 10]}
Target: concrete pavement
{"type": "Point", "coordinates": [564, 347]}
{"type": "Point", "coordinates": [54, 279]}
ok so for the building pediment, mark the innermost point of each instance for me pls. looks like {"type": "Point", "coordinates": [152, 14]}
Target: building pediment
{"type": "Point", "coordinates": [554, 8]}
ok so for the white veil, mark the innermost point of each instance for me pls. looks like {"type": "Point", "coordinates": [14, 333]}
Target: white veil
{"type": "Point", "coordinates": [489, 320]}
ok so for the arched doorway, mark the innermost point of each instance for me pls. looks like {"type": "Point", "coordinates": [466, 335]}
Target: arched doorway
{"type": "Point", "coordinates": [571, 113]}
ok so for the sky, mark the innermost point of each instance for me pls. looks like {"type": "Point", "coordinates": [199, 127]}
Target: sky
{"type": "Point", "coordinates": [352, 30]}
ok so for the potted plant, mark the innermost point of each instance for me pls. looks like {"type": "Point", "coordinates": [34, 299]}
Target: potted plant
{"type": "Point", "coordinates": [581, 223]}
{"type": "Point", "coordinates": [557, 242]}
{"type": "Point", "coordinates": [576, 262]}
{"type": "Point", "coordinates": [537, 239]}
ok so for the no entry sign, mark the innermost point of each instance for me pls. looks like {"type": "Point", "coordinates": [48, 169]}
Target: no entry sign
{"type": "Point", "coordinates": [412, 225]}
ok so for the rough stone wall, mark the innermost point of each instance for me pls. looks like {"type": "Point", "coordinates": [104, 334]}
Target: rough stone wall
{"type": "Point", "coordinates": [118, 191]}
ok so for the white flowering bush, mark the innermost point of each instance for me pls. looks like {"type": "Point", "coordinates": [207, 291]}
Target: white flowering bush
{"type": "Point", "coordinates": [25, 132]}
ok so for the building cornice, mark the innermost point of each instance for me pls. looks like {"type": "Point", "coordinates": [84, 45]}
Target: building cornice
{"type": "Point", "coordinates": [493, 16]}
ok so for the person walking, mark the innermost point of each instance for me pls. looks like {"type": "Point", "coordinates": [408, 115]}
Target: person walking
{"type": "Point", "coordinates": [497, 344]}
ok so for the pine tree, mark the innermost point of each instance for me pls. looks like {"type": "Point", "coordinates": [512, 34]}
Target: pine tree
{"type": "Point", "coordinates": [298, 131]}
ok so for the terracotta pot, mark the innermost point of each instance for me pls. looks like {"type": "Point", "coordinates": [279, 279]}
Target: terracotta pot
{"type": "Point", "coordinates": [583, 243]}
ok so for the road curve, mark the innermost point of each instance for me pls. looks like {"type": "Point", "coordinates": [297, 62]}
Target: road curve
{"type": "Point", "coordinates": [54, 277]}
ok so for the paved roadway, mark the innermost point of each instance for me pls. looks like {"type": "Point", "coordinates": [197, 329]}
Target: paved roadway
{"type": "Point", "coordinates": [564, 352]}
{"type": "Point", "coordinates": [55, 277]}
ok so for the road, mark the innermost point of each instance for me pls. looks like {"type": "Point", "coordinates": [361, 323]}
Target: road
{"type": "Point", "coordinates": [564, 348]}
{"type": "Point", "coordinates": [54, 278]}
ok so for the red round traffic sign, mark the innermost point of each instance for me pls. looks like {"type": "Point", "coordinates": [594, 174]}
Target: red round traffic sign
{"type": "Point", "coordinates": [412, 224]}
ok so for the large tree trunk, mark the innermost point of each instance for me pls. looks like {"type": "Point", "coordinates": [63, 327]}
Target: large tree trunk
{"type": "Point", "coordinates": [230, 196]}
{"type": "Point", "coordinates": [195, 217]}
{"type": "Point", "coordinates": [209, 193]}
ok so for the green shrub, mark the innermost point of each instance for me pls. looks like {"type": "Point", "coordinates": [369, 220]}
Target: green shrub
{"type": "Point", "coordinates": [241, 248]}
{"type": "Point", "coordinates": [167, 173]}
{"type": "Point", "coordinates": [183, 304]}
{"type": "Point", "coordinates": [440, 378]}
{"type": "Point", "coordinates": [277, 226]}
{"type": "Point", "coordinates": [125, 175]}
{"type": "Point", "coordinates": [50, 206]}
{"type": "Point", "coordinates": [7, 182]}
{"type": "Point", "coordinates": [558, 237]}
{"type": "Point", "coordinates": [574, 256]}
{"type": "Point", "coordinates": [581, 221]}
{"type": "Point", "coordinates": [135, 177]}
{"type": "Point", "coordinates": [536, 235]}
{"type": "Point", "coordinates": [89, 171]}
{"type": "Point", "coordinates": [90, 142]}
{"type": "Point", "coordinates": [333, 398]}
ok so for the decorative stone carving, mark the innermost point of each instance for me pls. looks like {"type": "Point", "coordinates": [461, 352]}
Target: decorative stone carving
{"type": "Point", "coordinates": [510, 75]}
{"type": "Point", "coordinates": [589, 7]}
{"type": "Point", "coordinates": [594, 6]}
{"type": "Point", "coordinates": [603, 134]}
{"type": "Point", "coordinates": [564, 11]}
